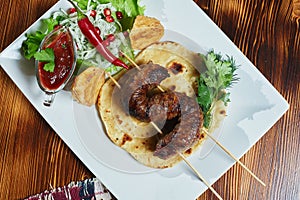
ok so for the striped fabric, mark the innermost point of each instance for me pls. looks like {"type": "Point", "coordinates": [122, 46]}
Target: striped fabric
{"type": "Point", "coordinates": [89, 189]}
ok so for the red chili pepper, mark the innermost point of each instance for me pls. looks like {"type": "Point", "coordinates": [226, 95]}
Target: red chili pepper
{"type": "Point", "coordinates": [90, 32]}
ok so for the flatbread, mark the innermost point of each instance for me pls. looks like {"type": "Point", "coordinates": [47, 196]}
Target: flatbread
{"type": "Point", "coordinates": [145, 31]}
{"type": "Point", "coordinates": [86, 86]}
{"type": "Point", "coordinates": [139, 139]}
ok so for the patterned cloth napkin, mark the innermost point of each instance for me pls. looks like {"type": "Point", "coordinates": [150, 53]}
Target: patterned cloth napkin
{"type": "Point", "coordinates": [89, 189]}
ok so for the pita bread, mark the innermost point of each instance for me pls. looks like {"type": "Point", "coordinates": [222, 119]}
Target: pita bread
{"type": "Point", "coordinates": [145, 31]}
{"type": "Point", "coordinates": [138, 138]}
{"type": "Point", "coordinates": [86, 86]}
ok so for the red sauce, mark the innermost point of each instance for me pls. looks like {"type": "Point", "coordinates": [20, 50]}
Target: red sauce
{"type": "Point", "coordinates": [63, 49]}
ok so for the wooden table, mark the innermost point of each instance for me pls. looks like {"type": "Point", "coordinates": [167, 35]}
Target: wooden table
{"type": "Point", "coordinates": [33, 157]}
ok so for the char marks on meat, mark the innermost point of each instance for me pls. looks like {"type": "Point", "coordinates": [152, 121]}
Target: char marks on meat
{"type": "Point", "coordinates": [186, 131]}
{"type": "Point", "coordinates": [135, 87]}
{"type": "Point", "coordinates": [146, 105]}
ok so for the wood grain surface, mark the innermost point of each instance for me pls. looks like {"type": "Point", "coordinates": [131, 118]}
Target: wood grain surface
{"type": "Point", "coordinates": [33, 157]}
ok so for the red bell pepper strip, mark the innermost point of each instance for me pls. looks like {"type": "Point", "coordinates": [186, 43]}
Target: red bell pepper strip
{"type": "Point", "coordinates": [90, 32]}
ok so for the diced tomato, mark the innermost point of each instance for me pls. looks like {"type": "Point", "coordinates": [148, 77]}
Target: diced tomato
{"type": "Point", "coordinates": [107, 12]}
{"type": "Point", "coordinates": [109, 18]}
{"type": "Point", "coordinates": [72, 10]}
{"type": "Point", "coordinates": [93, 13]}
{"type": "Point", "coordinates": [119, 14]}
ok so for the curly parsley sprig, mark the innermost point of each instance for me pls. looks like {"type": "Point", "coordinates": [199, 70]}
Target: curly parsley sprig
{"type": "Point", "coordinates": [212, 83]}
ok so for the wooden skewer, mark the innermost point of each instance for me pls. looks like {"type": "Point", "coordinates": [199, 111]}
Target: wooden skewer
{"type": "Point", "coordinates": [199, 175]}
{"type": "Point", "coordinates": [192, 167]}
{"type": "Point", "coordinates": [114, 80]}
{"type": "Point", "coordinates": [156, 127]}
{"type": "Point", "coordinates": [217, 142]}
{"type": "Point", "coordinates": [194, 170]}
{"type": "Point", "coordinates": [232, 156]}
{"type": "Point", "coordinates": [180, 154]}
{"type": "Point", "coordinates": [160, 88]}
{"type": "Point", "coordinates": [130, 60]}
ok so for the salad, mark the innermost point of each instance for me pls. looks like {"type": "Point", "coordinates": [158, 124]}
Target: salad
{"type": "Point", "coordinates": [111, 18]}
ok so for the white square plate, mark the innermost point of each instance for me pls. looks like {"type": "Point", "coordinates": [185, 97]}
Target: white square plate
{"type": "Point", "coordinates": [255, 107]}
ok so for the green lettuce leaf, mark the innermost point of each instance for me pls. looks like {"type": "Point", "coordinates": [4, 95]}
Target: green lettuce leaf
{"type": "Point", "coordinates": [47, 56]}
{"type": "Point", "coordinates": [129, 8]}
{"type": "Point", "coordinates": [33, 40]}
